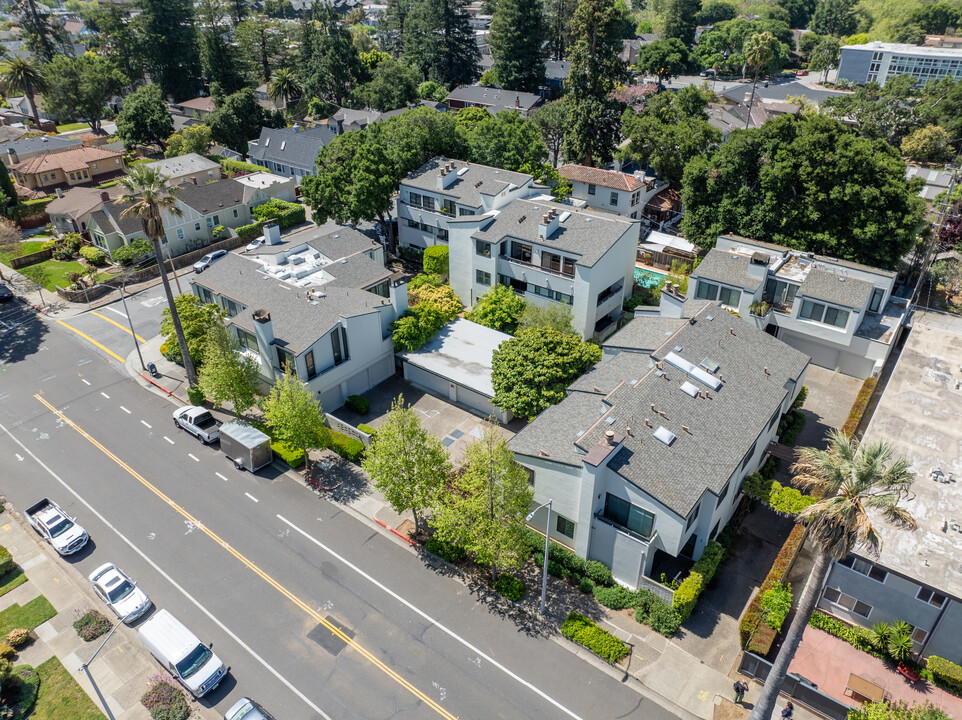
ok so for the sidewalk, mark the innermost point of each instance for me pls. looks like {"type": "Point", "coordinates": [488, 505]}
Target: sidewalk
{"type": "Point", "coordinates": [121, 670]}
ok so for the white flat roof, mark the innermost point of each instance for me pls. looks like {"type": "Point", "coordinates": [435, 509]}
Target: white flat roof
{"type": "Point", "coordinates": [461, 353]}
{"type": "Point", "coordinates": [666, 240]}
{"type": "Point", "coordinates": [906, 49]}
{"type": "Point", "coordinates": [261, 179]}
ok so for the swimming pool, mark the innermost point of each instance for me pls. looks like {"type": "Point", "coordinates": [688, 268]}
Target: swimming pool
{"type": "Point", "coordinates": [648, 278]}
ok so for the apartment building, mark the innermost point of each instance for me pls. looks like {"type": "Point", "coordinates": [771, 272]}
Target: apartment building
{"type": "Point", "coordinates": [610, 190]}
{"type": "Point", "coordinates": [878, 61]}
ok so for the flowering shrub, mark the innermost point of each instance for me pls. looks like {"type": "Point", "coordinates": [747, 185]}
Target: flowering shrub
{"type": "Point", "coordinates": [164, 700]}
{"type": "Point", "coordinates": [17, 637]}
{"type": "Point", "coordinates": [91, 625]}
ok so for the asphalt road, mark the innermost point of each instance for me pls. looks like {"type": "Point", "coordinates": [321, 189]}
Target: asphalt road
{"type": "Point", "coordinates": [279, 579]}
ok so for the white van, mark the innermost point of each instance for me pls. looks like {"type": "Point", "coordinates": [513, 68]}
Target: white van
{"type": "Point", "coordinates": [188, 661]}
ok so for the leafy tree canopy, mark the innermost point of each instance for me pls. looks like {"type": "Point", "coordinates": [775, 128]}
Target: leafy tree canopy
{"type": "Point", "coordinates": [228, 376]}
{"type": "Point", "coordinates": [517, 44]}
{"type": "Point", "coordinates": [144, 119]}
{"type": "Point", "coordinates": [723, 47]}
{"type": "Point", "coordinates": [499, 308]}
{"type": "Point", "coordinates": [239, 118]}
{"type": "Point", "coordinates": [898, 711]}
{"type": "Point", "coordinates": [439, 41]}
{"type": "Point", "coordinates": [928, 144]}
{"type": "Point", "coordinates": [664, 58]}
{"type": "Point", "coordinates": [889, 113]}
{"type": "Point", "coordinates": [167, 37]}
{"type": "Point", "coordinates": [506, 141]}
{"type": "Point", "coordinates": [808, 183]}
{"type": "Point", "coordinates": [78, 89]}
{"type": "Point", "coordinates": [294, 415]}
{"type": "Point", "coordinates": [393, 85]}
{"type": "Point", "coordinates": [197, 319]}
{"type": "Point", "coordinates": [835, 17]}
{"type": "Point", "coordinates": [192, 139]}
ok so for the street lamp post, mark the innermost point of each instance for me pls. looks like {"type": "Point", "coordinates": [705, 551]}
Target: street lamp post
{"type": "Point", "coordinates": [547, 541]}
{"type": "Point", "coordinates": [85, 667]}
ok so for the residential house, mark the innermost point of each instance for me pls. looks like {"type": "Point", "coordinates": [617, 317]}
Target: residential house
{"type": "Point", "coordinates": [321, 304]}
{"type": "Point", "coordinates": [842, 314]}
{"type": "Point", "coordinates": [442, 190]}
{"type": "Point", "coordinates": [917, 574]}
{"type": "Point", "coordinates": [16, 151]}
{"type": "Point", "coordinates": [645, 458]}
{"type": "Point", "coordinates": [438, 106]}
{"type": "Point", "coordinates": [74, 166]}
{"type": "Point", "coordinates": [345, 120]}
{"type": "Point", "coordinates": [199, 107]}
{"type": "Point", "coordinates": [12, 132]}
{"type": "Point", "coordinates": [265, 100]}
{"type": "Point", "coordinates": [879, 61]}
{"type": "Point", "coordinates": [610, 190]}
{"type": "Point", "coordinates": [548, 253]}
{"type": "Point", "coordinates": [630, 48]}
{"type": "Point", "coordinates": [289, 151]}
{"type": "Point", "coordinates": [187, 168]}
{"type": "Point", "coordinates": [493, 99]}
{"type": "Point", "coordinates": [71, 211]}
{"type": "Point", "coordinates": [936, 181]}
{"type": "Point", "coordinates": [21, 105]}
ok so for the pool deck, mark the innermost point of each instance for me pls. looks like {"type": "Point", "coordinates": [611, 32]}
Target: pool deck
{"type": "Point", "coordinates": [650, 268]}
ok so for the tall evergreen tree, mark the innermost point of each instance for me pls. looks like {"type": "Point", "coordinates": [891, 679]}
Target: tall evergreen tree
{"type": "Point", "coordinates": [593, 121]}
{"type": "Point", "coordinates": [144, 119]}
{"type": "Point", "coordinates": [218, 57]}
{"type": "Point", "coordinates": [43, 34]}
{"type": "Point", "coordinates": [439, 41]}
{"type": "Point", "coordinates": [680, 20]}
{"type": "Point", "coordinates": [518, 32]}
{"type": "Point", "coordinates": [558, 14]}
{"type": "Point", "coordinates": [260, 46]}
{"type": "Point", "coordinates": [169, 41]}
{"type": "Point", "coordinates": [330, 63]}
{"type": "Point", "coordinates": [112, 36]}
{"type": "Point", "coordinates": [390, 27]}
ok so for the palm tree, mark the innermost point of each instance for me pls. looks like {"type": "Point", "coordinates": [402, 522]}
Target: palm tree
{"type": "Point", "coordinates": [148, 196]}
{"type": "Point", "coordinates": [850, 477]}
{"type": "Point", "coordinates": [758, 50]}
{"type": "Point", "coordinates": [19, 74]}
{"type": "Point", "coordinates": [285, 85]}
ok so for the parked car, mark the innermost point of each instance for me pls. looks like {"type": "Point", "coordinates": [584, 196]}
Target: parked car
{"type": "Point", "coordinates": [56, 527]}
{"type": "Point", "coordinates": [254, 245]}
{"type": "Point", "coordinates": [119, 592]}
{"type": "Point", "coordinates": [710, 72]}
{"type": "Point", "coordinates": [208, 260]}
{"type": "Point", "coordinates": [180, 653]}
{"type": "Point", "coordinates": [801, 73]}
{"type": "Point", "coordinates": [5, 293]}
{"type": "Point", "coordinates": [247, 709]}
{"type": "Point", "coordinates": [198, 422]}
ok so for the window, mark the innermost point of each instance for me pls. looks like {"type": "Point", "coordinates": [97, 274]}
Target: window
{"type": "Point", "coordinates": [635, 198]}
{"type": "Point", "coordinates": [285, 359]}
{"type": "Point", "coordinates": [216, 219]}
{"type": "Point", "coordinates": [748, 456]}
{"type": "Point", "coordinates": [482, 248]}
{"type": "Point", "coordinates": [236, 214]}
{"type": "Point", "coordinates": [231, 307]}
{"type": "Point", "coordinates": [730, 297]}
{"type": "Point", "coordinates": [520, 251]}
{"type": "Point", "coordinates": [482, 278]}
{"type": "Point", "coordinates": [812, 310]}
{"type": "Point", "coordinates": [210, 222]}
{"type": "Point", "coordinates": [634, 215]}
{"type": "Point", "coordinates": [706, 291]}
{"type": "Point", "coordinates": [428, 202]}
{"type": "Point", "coordinates": [931, 597]}
{"type": "Point", "coordinates": [247, 340]}
{"type": "Point", "coordinates": [876, 301]}
{"type": "Point", "coordinates": [86, 175]}
{"type": "Point", "coordinates": [550, 261]}
{"type": "Point", "coordinates": [837, 597]}
{"type": "Point", "coordinates": [204, 294]}
{"type": "Point", "coordinates": [94, 167]}
{"type": "Point", "coordinates": [339, 345]}
{"type": "Point", "coordinates": [442, 234]}
{"type": "Point", "coordinates": [591, 189]}
{"type": "Point", "coordinates": [447, 206]}
{"type": "Point", "coordinates": [415, 199]}
{"type": "Point", "coordinates": [568, 267]}
{"type": "Point", "coordinates": [117, 161]}
{"type": "Point", "coordinates": [197, 227]}
{"type": "Point", "coordinates": [836, 317]}
{"type": "Point", "coordinates": [864, 567]}
{"type": "Point", "coordinates": [623, 513]}
{"type": "Point", "coordinates": [780, 294]}
{"type": "Point", "coordinates": [309, 361]}
{"type": "Point", "coordinates": [180, 233]}
{"type": "Point", "coordinates": [692, 517]}
{"type": "Point", "coordinates": [817, 312]}
{"type": "Point", "coordinates": [614, 199]}
{"type": "Point", "coordinates": [919, 635]}
{"type": "Point", "coordinates": [71, 176]}
{"type": "Point", "coordinates": [565, 527]}
{"type": "Point", "coordinates": [465, 211]}
{"type": "Point", "coordinates": [724, 493]}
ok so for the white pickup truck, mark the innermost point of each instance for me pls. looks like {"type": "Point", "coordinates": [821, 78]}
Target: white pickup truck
{"type": "Point", "coordinates": [56, 527]}
{"type": "Point", "coordinates": [198, 422]}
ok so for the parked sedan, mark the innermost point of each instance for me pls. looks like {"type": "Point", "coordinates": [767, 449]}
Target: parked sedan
{"type": "Point", "coordinates": [198, 422]}
{"type": "Point", "coordinates": [208, 260]}
{"type": "Point", "coordinates": [247, 709]}
{"type": "Point", "coordinates": [119, 592]}
{"type": "Point", "coordinates": [5, 293]}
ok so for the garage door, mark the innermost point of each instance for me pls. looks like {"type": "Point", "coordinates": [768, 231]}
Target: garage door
{"type": "Point", "coordinates": [821, 355]}
{"type": "Point", "coordinates": [429, 381]}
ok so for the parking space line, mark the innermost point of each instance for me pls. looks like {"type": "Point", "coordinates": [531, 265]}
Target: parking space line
{"type": "Point", "coordinates": [85, 381]}
{"type": "Point", "coordinates": [147, 424]}
{"type": "Point", "coordinates": [117, 324]}
{"type": "Point", "coordinates": [220, 476]}
{"type": "Point", "coordinates": [90, 339]}
{"type": "Point", "coordinates": [115, 310]}
{"type": "Point", "coordinates": [251, 497]}
{"type": "Point", "coordinates": [105, 395]}
{"type": "Point", "coordinates": [193, 457]}
{"type": "Point", "coordinates": [168, 440]}
{"type": "Point", "coordinates": [125, 409]}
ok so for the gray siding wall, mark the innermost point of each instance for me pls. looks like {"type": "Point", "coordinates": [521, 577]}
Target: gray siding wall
{"type": "Point", "coordinates": [944, 642]}
{"type": "Point", "coordinates": [854, 64]}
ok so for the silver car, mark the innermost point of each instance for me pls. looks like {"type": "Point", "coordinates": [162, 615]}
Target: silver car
{"type": "Point", "coordinates": [119, 592]}
{"type": "Point", "coordinates": [208, 260]}
{"type": "Point", "coordinates": [247, 709]}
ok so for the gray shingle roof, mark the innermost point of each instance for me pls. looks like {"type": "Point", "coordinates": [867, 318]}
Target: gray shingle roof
{"type": "Point", "coordinates": [586, 234]}
{"type": "Point", "coordinates": [644, 334]}
{"type": "Point", "coordinates": [182, 165]}
{"type": "Point", "coordinates": [727, 268]}
{"type": "Point", "coordinates": [607, 375]}
{"type": "Point", "coordinates": [211, 197]}
{"type": "Point", "coordinates": [126, 226]}
{"type": "Point", "coordinates": [47, 143]}
{"type": "Point", "coordinates": [357, 271]}
{"type": "Point", "coordinates": [300, 148]}
{"type": "Point", "coordinates": [495, 99]}
{"type": "Point", "coordinates": [342, 242]}
{"type": "Point", "coordinates": [297, 323]}
{"type": "Point", "coordinates": [468, 187]}
{"type": "Point", "coordinates": [555, 430]}
{"type": "Point", "coordinates": [840, 290]}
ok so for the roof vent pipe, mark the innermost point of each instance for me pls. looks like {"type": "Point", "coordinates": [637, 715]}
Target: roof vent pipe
{"type": "Point", "coordinates": [610, 437]}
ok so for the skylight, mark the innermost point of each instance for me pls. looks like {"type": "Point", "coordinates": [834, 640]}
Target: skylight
{"type": "Point", "coordinates": [689, 389]}
{"type": "Point", "coordinates": [665, 435]}
{"type": "Point", "coordinates": [710, 365]}
{"type": "Point", "coordinates": [690, 369]}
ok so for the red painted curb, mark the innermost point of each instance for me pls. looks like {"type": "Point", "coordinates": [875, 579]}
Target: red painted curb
{"type": "Point", "coordinates": [157, 384]}
{"type": "Point", "coordinates": [403, 537]}
{"type": "Point", "coordinates": [382, 524]}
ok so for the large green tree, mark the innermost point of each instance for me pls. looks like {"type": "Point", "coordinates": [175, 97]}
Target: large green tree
{"type": "Point", "coordinates": [596, 68]}
{"type": "Point", "coordinates": [43, 33]}
{"type": "Point", "coordinates": [392, 85]}
{"type": "Point", "coordinates": [825, 55]}
{"type": "Point", "coordinates": [406, 462]}
{"type": "Point", "coordinates": [857, 483]}
{"type": "Point", "coordinates": [329, 61]}
{"type": "Point", "coordinates": [439, 41]}
{"type": "Point", "coordinates": [192, 139]}
{"type": "Point", "coordinates": [809, 183]}
{"type": "Point", "coordinates": [485, 508]}
{"type": "Point", "coordinates": [197, 319]}
{"type": "Point", "coordinates": [942, 104]}
{"type": "Point", "coordinates": [558, 14]}
{"type": "Point", "coordinates": [390, 26]}
{"type": "Point", "coordinates": [144, 119]}
{"type": "Point", "coordinates": [551, 120]}
{"type": "Point", "coordinates": [533, 370]}
{"type": "Point", "coordinates": [168, 38]}
{"type": "Point", "coordinates": [759, 50]}
{"type": "Point", "coordinates": [239, 118]}
{"type": "Point", "coordinates": [834, 17]}
{"type": "Point", "coordinates": [679, 19]}
{"type": "Point", "coordinates": [723, 47]}
{"type": "Point", "coordinates": [936, 18]}
{"type": "Point", "coordinates": [260, 46]}
{"type": "Point", "coordinates": [78, 89]}
{"type": "Point", "coordinates": [112, 36]}
{"type": "Point", "coordinates": [518, 46]}
{"type": "Point", "coordinates": [507, 141]}
{"type": "Point", "coordinates": [294, 415]}
{"type": "Point", "coordinates": [217, 56]}
{"type": "Point", "coordinates": [663, 58]}
{"type": "Point", "coordinates": [889, 113]}
{"type": "Point", "coordinates": [499, 308]}
{"type": "Point", "coordinates": [226, 375]}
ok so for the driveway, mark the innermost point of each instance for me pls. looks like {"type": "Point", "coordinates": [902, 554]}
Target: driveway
{"type": "Point", "coordinates": [454, 425]}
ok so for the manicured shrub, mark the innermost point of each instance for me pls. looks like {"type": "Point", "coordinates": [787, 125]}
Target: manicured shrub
{"type": "Point", "coordinates": [509, 586]}
{"type": "Point", "coordinates": [91, 625]}
{"type": "Point", "coordinates": [790, 426]}
{"type": "Point", "coordinates": [534, 541]}
{"type": "Point", "coordinates": [782, 499]}
{"type": "Point", "coordinates": [249, 232]}
{"type": "Point", "coordinates": [50, 244]}
{"type": "Point", "coordinates": [359, 404]}
{"type": "Point", "coordinates": [347, 447]}
{"type": "Point", "coordinates": [6, 650]}
{"type": "Point", "coordinates": [614, 598]}
{"type": "Point", "coordinates": [783, 561]}
{"type": "Point", "coordinates": [858, 407]}
{"type": "Point", "coordinates": [6, 561]}
{"type": "Point", "coordinates": [602, 643]}
{"type": "Point", "coordinates": [367, 429]}
{"type": "Point", "coordinates": [286, 213]}
{"type": "Point", "coordinates": [411, 253]}
{"type": "Point", "coordinates": [20, 690]}
{"type": "Point", "coordinates": [661, 617]}
{"type": "Point", "coordinates": [776, 603]}
{"type": "Point", "coordinates": [94, 255]}
{"type": "Point", "coordinates": [800, 398]}
{"type": "Point", "coordinates": [445, 550]}
{"type": "Point", "coordinates": [945, 673]}
{"type": "Point", "coordinates": [436, 260]}
{"type": "Point", "coordinates": [293, 456]}
{"type": "Point", "coordinates": [567, 559]}
{"type": "Point", "coordinates": [599, 573]}
{"type": "Point", "coordinates": [195, 396]}
{"type": "Point", "coordinates": [63, 254]}
{"type": "Point", "coordinates": [691, 588]}
{"type": "Point", "coordinates": [586, 586]}
{"type": "Point", "coordinates": [17, 637]}
{"type": "Point", "coordinates": [165, 701]}
{"type": "Point", "coordinates": [858, 637]}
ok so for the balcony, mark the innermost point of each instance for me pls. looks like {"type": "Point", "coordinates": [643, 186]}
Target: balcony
{"type": "Point", "coordinates": [609, 293]}
{"type": "Point", "coordinates": [527, 264]}
{"type": "Point", "coordinates": [622, 529]}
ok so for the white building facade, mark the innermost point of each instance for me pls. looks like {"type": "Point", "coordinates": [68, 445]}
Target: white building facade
{"type": "Point", "coordinates": [878, 61]}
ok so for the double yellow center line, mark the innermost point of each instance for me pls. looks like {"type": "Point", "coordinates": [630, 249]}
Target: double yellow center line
{"type": "Point", "coordinates": [334, 629]}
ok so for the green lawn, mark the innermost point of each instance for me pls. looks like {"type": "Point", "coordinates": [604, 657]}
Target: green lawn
{"type": "Point", "coordinates": [71, 126]}
{"type": "Point", "coordinates": [28, 616]}
{"type": "Point", "coordinates": [14, 578]}
{"type": "Point", "coordinates": [29, 246]}
{"type": "Point", "coordinates": [61, 698]}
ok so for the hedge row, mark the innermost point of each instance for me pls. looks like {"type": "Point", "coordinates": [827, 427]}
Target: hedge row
{"type": "Point", "coordinates": [790, 426]}
{"type": "Point", "coordinates": [601, 642]}
{"type": "Point", "coordinates": [649, 609]}
{"type": "Point", "coordinates": [344, 445]}
{"type": "Point", "coordinates": [858, 637]}
{"type": "Point", "coordinates": [436, 260]}
{"type": "Point", "coordinates": [286, 213]}
{"type": "Point", "coordinates": [33, 208]}
{"type": "Point", "coordinates": [945, 673]}
{"type": "Point", "coordinates": [783, 499]}
{"type": "Point", "coordinates": [293, 216]}
{"type": "Point", "coordinates": [691, 588]}
{"type": "Point", "coordinates": [6, 561]}
{"type": "Point", "coordinates": [564, 564]}
{"type": "Point", "coordinates": [233, 166]}
{"type": "Point", "coordinates": [858, 407]}
{"type": "Point", "coordinates": [751, 620]}
{"type": "Point", "coordinates": [509, 586]}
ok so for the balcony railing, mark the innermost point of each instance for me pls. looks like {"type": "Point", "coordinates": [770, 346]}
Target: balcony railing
{"type": "Point", "coordinates": [631, 533]}
{"type": "Point", "coordinates": [609, 293]}
{"type": "Point", "coordinates": [525, 263]}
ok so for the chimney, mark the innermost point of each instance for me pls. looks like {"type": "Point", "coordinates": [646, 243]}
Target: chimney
{"type": "Point", "coordinates": [445, 177]}
{"type": "Point", "coordinates": [610, 437]}
{"type": "Point", "coordinates": [549, 223]}
{"type": "Point", "coordinates": [193, 180]}
{"type": "Point", "coordinates": [12, 156]}
{"type": "Point", "coordinates": [264, 331]}
{"type": "Point", "coordinates": [59, 192]}
{"type": "Point", "coordinates": [104, 195]}
{"type": "Point", "coordinates": [686, 429]}
{"type": "Point", "coordinates": [272, 233]}
{"type": "Point", "coordinates": [398, 292]}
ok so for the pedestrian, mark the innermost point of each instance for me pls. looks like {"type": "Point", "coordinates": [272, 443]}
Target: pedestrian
{"type": "Point", "coordinates": [788, 711]}
{"type": "Point", "coordinates": [740, 687]}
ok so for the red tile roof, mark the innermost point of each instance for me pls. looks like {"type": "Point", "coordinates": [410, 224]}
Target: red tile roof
{"type": "Point", "coordinates": [66, 160]}
{"type": "Point", "coordinates": [604, 178]}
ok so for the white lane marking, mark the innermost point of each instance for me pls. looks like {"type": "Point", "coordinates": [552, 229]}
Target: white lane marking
{"type": "Point", "coordinates": [252, 497]}
{"type": "Point", "coordinates": [193, 457]}
{"type": "Point", "coordinates": [115, 310]}
{"type": "Point", "coordinates": [168, 440]}
{"type": "Point", "coordinates": [19, 457]}
{"type": "Point", "coordinates": [105, 395]}
{"type": "Point", "coordinates": [125, 409]}
{"type": "Point", "coordinates": [221, 476]}
{"type": "Point", "coordinates": [85, 381]}
{"type": "Point", "coordinates": [144, 422]}
{"type": "Point", "coordinates": [431, 620]}
{"type": "Point", "coordinates": [51, 376]}
{"type": "Point", "coordinates": [171, 580]}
